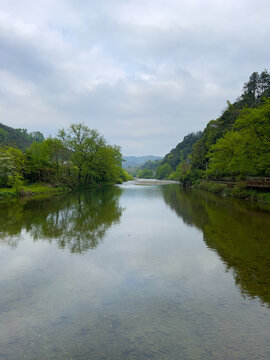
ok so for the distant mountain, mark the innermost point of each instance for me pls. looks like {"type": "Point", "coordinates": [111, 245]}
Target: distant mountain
{"type": "Point", "coordinates": [134, 161]}
{"type": "Point", "coordinates": [18, 138]}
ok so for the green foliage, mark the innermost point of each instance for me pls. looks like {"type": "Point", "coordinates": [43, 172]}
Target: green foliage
{"type": "Point", "coordinates": [104, 166]}
{"type": "Point", "coordinates": [38, 189]}
{"type": "Point", "coordinates": [256, 88]}
{"type": "Point", "coordinates": [151, 164]}
{"type": "Point", "coordinates": [132, 171]}
{"type": "Point", "coordinates": [214, 187]}
{"type": "Point", "coordinates": [92, 160]}
{"type": "Point", "coordinates": [124, 176]}
{"type": "Point", "coordinates": [12, 163]}
{"type": "Point", "coordinates": [193, 176]}
{"type": "Point", "coordinates": [78, 157]}
{"type": "Point", "coordinates": [237, 191]}
{"type": "Point", "coordinates": [181, 172]}
{"type": "Point", "coordinates": [245, 150]}
{"type": "Point", "coordinates": [214, 130]}
{"type": "Point", "coordinates": [145, 174]}
{"type": "Point", "coordinates": [47, 161]}
{"type": "Point", "coordinates": [3, 135]}
{"type": "Point", "coordinates": [136, 171]}
{"type": "Point", "coordinates": [37, 136]}
{"type": "Point", "coordinates": [170, 167]}
{"type": "Point", "coordinates": [18, 138]}
{"type": "Point", "coordinates": [237, 143]}
{"type": "Point", "coordinates": [17, 182]}
{"type": "Point", "coordinates": [138, 161]}
{"type": "Point", "coordinates": [163, 171]}
{"type": "Point", "coordinates": [182, 151]}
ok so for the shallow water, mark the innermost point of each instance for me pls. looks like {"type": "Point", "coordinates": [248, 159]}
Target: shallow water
{"type": "Point", "coordinates": [134, 272]}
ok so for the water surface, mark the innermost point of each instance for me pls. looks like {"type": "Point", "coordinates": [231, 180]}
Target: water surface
{"type": "Point", "coordinates": [134, 272]}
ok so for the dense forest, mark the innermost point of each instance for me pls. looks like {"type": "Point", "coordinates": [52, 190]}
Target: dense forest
{"type": "Point", "coordinates": [236, 145]}
{"type": "Point", "coordinates": [78, 156]}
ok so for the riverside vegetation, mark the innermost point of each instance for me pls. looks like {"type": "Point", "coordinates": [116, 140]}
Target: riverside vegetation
{"type": "Point", "coordinates": [77, 157]}
{"type": "Point", "coordinates": [234, 147]}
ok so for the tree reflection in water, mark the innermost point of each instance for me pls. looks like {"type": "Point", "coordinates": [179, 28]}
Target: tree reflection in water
{"type": "Point", "coordinates": [76, 221]}
{"type": "Point", "coordinates": [238, 231]}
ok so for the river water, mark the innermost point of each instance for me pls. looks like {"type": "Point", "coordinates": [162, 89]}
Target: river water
{"type": "Point", "coordinates": [134, 272]}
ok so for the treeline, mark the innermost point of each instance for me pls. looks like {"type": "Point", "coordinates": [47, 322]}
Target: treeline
{"type": "Point", "coordinates": [78, 156]}
{"type": "Point", "coordinates": [236, 145]}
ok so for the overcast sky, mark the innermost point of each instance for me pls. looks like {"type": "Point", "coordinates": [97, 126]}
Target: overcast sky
{"type": "Point", "coordinates": [144, 73]}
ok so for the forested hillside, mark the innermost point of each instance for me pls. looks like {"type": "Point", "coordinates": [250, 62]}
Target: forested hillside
{"type": "Point", "coordinates": [18, 138]}
{"type": "Point", "coordinates": [237, 144]}
{"type": "Point", "coordinates": [182, 150]}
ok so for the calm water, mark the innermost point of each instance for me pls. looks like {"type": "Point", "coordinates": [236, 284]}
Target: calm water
{"type": "Point", "coordinates": [134, 272]}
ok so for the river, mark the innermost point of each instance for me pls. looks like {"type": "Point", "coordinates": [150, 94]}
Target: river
{"type": "Point", "coordinates": [134, 272]}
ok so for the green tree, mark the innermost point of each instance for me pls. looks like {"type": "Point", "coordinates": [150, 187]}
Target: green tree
{"type": "Point", "coordinates": [12, 165]}
{"type": "Point", "coordinates": [93, 160]}
{"type": "Point", "coordinates": [163, 171]}
{"type": "Point", "coordinates": [245, 150]}
{"type": "Point", "coordinates": [105, 165]}
{"type": "Point", "coordinates": [83, 144]}
{"type": "Point", "coordinates": [251, 88]}
{"type": "Point", "coordinates": [37, 136]}
{"type": "Point", "coordinates": [181, 172]}
{"type": "Point", "coordinates": [145, 174]}
{"type": "Point", "coordinates": [48, 161]}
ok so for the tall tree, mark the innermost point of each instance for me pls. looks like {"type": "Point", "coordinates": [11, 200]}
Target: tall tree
{"type": "Point", "coordinates": [83, 144]}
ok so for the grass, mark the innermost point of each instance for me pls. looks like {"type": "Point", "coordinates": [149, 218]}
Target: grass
{"type": "Point", "coordinates": [31, 189]}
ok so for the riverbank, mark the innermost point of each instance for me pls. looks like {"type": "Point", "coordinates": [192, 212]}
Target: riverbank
{"type": "Point", "coordinates": [237, 190]}
{"type": "Point", "coordinates": [38, 189]}
{"type": "Point", "coordinates": [32, 190]}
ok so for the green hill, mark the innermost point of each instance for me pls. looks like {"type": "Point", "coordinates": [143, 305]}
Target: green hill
{"type": "Point", "coordinates": [18, 138]}
{"type": "Point", "coordinates": [182, 150]}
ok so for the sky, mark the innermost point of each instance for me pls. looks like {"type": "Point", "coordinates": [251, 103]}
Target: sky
{"type": "Point", "coordinates": [144, 73]}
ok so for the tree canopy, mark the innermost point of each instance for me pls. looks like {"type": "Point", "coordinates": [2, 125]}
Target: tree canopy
{"type": "Point", "coordinates": [245, 150]}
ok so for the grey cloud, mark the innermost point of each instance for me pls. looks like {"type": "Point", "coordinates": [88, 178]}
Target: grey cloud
{"type": "Point", "coordinates": [21, 60]}
{"type": "Point", "coordinates": [144, 73]}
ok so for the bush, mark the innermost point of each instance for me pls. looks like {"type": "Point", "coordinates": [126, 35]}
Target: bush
{"type": "Point", "coordinates": [16, 182]}
{"type": "Point", "coordinates": [124, 176]}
